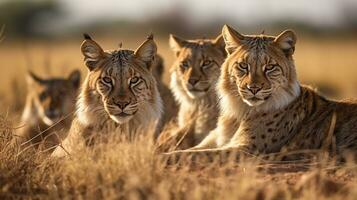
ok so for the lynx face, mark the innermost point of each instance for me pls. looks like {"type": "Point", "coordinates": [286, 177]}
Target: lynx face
{"type": "Point", "coordinates": [197, 65]}
{"type": "Point", "coordinates": [54, 98]}
{"type": "Point", "coordinates": [261, 67]}
{"type": "Point", "coordinates": [122, 78]}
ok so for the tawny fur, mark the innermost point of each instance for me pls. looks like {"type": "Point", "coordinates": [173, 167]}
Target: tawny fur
{"type": "Point", "coordinates": [170, 107]}
{"type": "Point", "coordinates": [48, 112]}
{"type": "Point", "coordinates": [282, 115]}
{"type": "Point", "coordinates": [118, 97]}
{"type": "Point", "coordinates": [193, 79]}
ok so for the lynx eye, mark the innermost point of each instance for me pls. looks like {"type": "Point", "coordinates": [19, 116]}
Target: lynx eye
{"type": "Point", "coordinates": [184, 64]}
{"type": "Point", "coordinates": [107, 80]}
{"type": "Point", "coordinates": [206, 63]}
{"type": "Point", "coordinates": [270, 67]}
{"type": "Point", "coordinates": [43, 96]}
{"type": "Point", "coordinates": [134, 80]}
{"type": "Point", "coordinates": [242, 66]}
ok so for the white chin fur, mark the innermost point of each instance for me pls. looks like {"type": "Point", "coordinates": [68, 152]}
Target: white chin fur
{"type": "Point", "coordinates": [279, 99]}
{"type": "Point", "coordinates": [194, 95]}
{"type": "Point", "coordinates": [121, 120]}
{"type": "Point", "coordinates": [180, 93]}
{"type": "Point", "coordinates": [253, 103]}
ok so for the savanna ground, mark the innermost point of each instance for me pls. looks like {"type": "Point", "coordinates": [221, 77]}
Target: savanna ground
{"type": "Point", "coordinates": [131, 170]}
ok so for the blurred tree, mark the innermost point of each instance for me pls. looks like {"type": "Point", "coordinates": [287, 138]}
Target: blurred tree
{"type": "Point", "coordinates": [21, 16]}
{"type": "Point", "coordinates": [2, 30]}
{"type": "Point", "coordinates": [350, 15]}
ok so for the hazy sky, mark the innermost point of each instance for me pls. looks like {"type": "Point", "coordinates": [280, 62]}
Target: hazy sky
{"type": "Point", "coordinates": [316, 12]}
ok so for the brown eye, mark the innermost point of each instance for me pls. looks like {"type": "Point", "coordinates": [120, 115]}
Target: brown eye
{"type": "Point", "coordinates": [107, 80]}
{"type": "Point", "coordinates": [243, 66]}
{"type": "Point", "coordinates": [206, 63]}
{"type": "Point", "coordinates": [270, 67]}
{"type": "Point", "coordinates": [184, 64]}
{"type": "Point", "coordinates": [134, 80]}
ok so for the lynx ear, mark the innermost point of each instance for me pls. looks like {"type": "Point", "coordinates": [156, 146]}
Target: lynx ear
{"type": "Point", "coordinates": [75, 78]}
{"type": "Point", "coordinates": [177, 43]}
{"type": "Point", "coordinates": [32, 78]}
{"type": "Point", "coordinates": [219, 43]}
{"type": "Point", "coordinates": [147, 51]}
{"type": "Point", "coordinates": [232, 38]}
{"type": "Point", "coordinates": [286, 42]}
{"type": "Point", "coordinates": [92, 52]}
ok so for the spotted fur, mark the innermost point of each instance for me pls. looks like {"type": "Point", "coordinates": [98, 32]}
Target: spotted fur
{"type": "Point", "coordinates": [119, 95]}
{"type": "Point", "coordinates": [264, 109]}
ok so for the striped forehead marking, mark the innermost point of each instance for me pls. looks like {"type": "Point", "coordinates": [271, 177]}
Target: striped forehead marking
{"type": "Point", "coordinates": [120, 60]}
{"type": "Point", "coordinates": [198, 48]}
{"type": "Point", "coordinates": [257, 46]}
{"type": "Point", "coordinates": [121, 57]}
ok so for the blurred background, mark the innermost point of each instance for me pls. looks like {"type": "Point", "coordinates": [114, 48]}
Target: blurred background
{"type": "Point", "coordinates": [45, 35]}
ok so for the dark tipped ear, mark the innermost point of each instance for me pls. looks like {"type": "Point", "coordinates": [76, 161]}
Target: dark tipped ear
{"type": "Point", "coordinates": [75, 78]}
{"type": "Point", "coordinates": [32, 78]}
{"type": "Point", "coordinates": [176, 43]}
{"type": "Point", "coordinates": [92, 52]}
{"type": "Point", "coordinates": [286, 41]}
{"type": "Point", "coordinates": [147, 51]}
{"type": "Point", "coordinates": [232, 38]}
{"type": "Point", "coordinates": [219, 43]}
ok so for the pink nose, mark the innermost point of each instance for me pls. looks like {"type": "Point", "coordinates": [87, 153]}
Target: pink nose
{"type": "Point", "coordinates": [192, 81]}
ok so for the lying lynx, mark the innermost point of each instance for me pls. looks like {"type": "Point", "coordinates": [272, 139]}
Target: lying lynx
{"type": "Point", "coordinates": [118, 95]}
{"type": "Point", "coordinates": [193, 80]}
{"type": "Point", "coordinates": [264, 109]}
{"type": "Point", "coordinates": [48, 111]}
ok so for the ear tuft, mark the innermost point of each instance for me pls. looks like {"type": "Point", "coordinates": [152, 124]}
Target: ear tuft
{"type": "Point", "coordinates": [232, 38]}
{"type": "Point", "coordinates": [286, 42]}
{"type": "Point", "coordinates": [31, 78]}
{"type": "Point", "coordinates": [92, 53]}
{"type": "Point", "coordinates": [150, 36]}
{"type": "Point", "coordinates": [86, 36]}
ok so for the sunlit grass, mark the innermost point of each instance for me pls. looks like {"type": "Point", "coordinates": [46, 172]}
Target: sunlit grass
{"type": "Point", "coordinates": [132, 170]}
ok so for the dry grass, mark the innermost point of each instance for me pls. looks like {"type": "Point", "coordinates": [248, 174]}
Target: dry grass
{"type": "Point", "coordinates": [131, 170]}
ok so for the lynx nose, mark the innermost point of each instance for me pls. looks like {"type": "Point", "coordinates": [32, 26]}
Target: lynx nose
{"type": "Point", "coordinates": [122, 104]}
{"type": "Point", "coordinates": [193, 81]}
{"type": "Point", "coordinates": [254, 89]}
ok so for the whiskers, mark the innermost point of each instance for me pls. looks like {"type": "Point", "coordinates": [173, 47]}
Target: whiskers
{"type": "Point", "coordinates": [131, 106]}
{"type": "Point", "coordinates": [113, 109]}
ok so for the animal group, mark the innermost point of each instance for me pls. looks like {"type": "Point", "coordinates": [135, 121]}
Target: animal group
{"type": "Point", "coordinates": [234, 93]}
